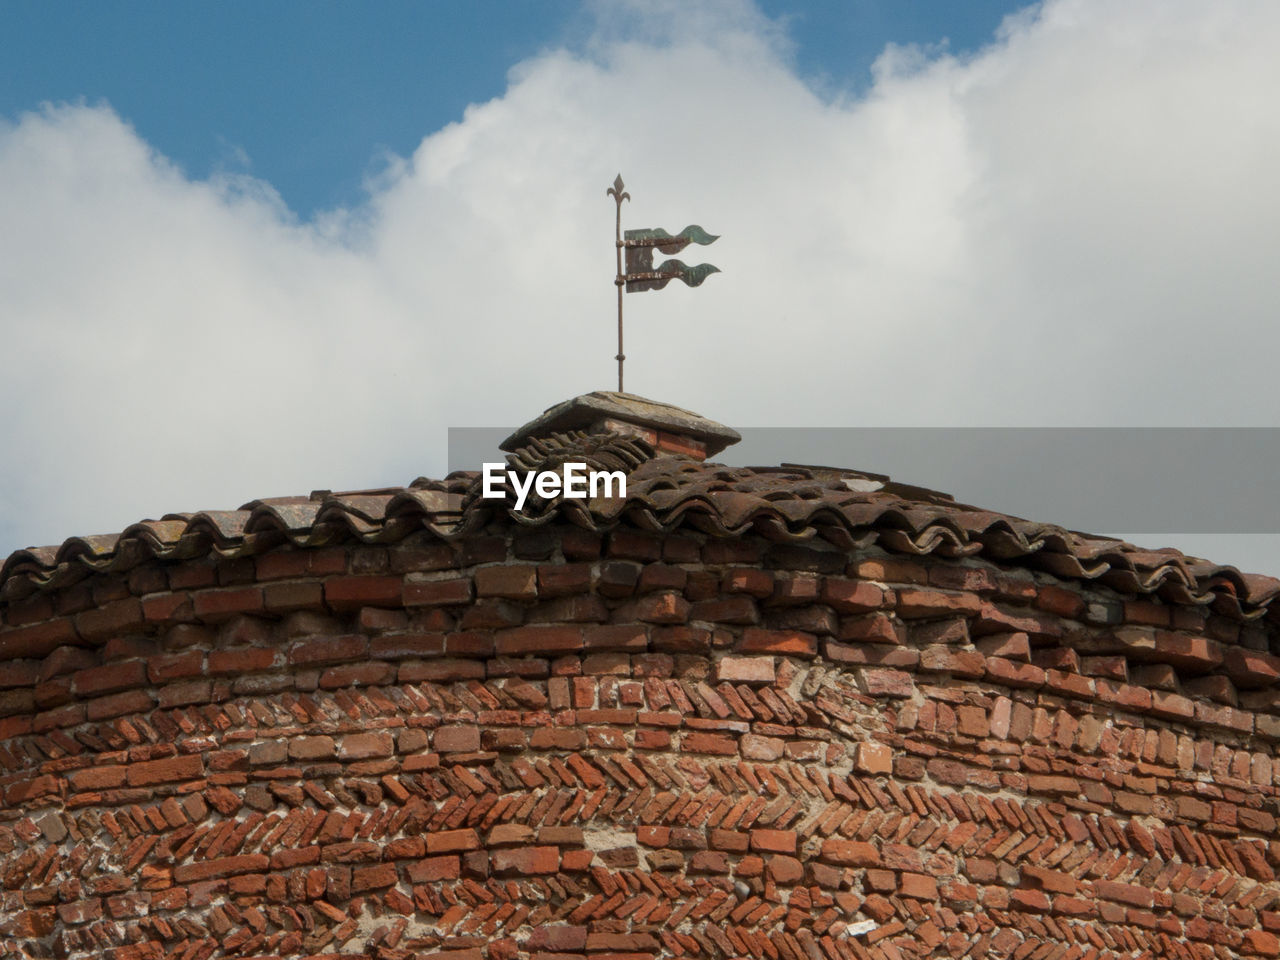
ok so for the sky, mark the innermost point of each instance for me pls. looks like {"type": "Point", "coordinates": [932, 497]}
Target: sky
{"type": "Point", "coordinates": [252, 252]}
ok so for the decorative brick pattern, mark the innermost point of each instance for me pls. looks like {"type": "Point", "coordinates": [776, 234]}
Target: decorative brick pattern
{"type": "Point", "coordinates": [532, 746]}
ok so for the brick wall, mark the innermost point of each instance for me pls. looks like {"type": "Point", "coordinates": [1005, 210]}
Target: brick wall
{"type": "Point", "coordinates": [552, 744]}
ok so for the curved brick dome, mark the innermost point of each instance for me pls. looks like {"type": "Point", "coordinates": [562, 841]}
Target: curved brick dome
{"type": "Point", "coordinates": [768, 714]}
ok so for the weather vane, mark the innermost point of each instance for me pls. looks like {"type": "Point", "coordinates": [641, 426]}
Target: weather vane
{"type": "Point", "coordinates": [640, 273]}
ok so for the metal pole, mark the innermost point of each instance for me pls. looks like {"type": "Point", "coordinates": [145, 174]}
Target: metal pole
{"type": "Point", "coordinates": [618, 282]}
{"type": "Point", "coordinates": [618, 194]}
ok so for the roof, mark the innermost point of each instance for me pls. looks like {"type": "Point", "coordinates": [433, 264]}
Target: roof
{"type": "Point", "coordinates": [848, 509]}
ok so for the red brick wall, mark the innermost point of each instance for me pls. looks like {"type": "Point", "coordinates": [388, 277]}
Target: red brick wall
{"type": "Point", "coordinates": [558, 745]}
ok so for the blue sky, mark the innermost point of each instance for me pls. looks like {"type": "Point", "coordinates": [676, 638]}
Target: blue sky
{"type": "Point", "coordinates": [308, 96]}
{"type": "Point", "coordinates": [258, 249]}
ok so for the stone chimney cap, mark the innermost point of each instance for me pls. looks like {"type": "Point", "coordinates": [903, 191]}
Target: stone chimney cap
{"type": "Point", "coordinates": [591, 410]}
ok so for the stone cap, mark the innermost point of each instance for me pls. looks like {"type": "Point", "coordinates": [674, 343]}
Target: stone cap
{"type": "Point", "coordinates": [606, 411]}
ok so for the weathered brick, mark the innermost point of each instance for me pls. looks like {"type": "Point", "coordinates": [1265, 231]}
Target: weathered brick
{"type": "Point", "coordinates": [222, 867]}
{"type": "Point", "coordinates": [80, 911]}
{"type": "Point", "coordinates": [168, 770]}
{"type": "Point", "coordinates": [119, 705]}
{"type": "Point", "coordinates": [872, 628]}
{"type": "Point", "coordinates": [221, 604]}
{"type": "Point", "coordinates": [563, 579]}
{"type": "Point", "coordinates": [873, 758]}
{"type": "Point", "coordinates": [734, 841]}
{"type": "Point", "coordinates": [852, 596]}
{"type": "Point", "coordinates": [901, 856]}
{"type": "Point", "coordinates": [1251, 668]}
{"type": "Point", "coordinates": [1132, 894]}
{"type": "Point", "coordinates": [268, 752]}
{"type": "Point", "coordinates": [109, 619]}
{"type": "Point", "coordinates": [557, 938]}
{"type": "Point", "coordinates": [434, 869]}
{"type": "Point", "coordinates": [376, 877]}
{"type": "Point", "coordinates": [1032, 901]}
{"type": "Point", "coordinates": [175, 666]}
{"type": "Point", "coordinates": [714, 743]}
{"type": "Point", "coordinates": [400, 646]}
{"type": "Point", "coordinates": [311, 748]}
{"type": "Point", "coordinates": [664, 607]}
{"type": "Point", "coordinates": [456, 739]}
{"type": "Point", "coordinates": [1062, 603]}
{"type": "Point", "coordinates": [1260, 943]}
{"type": "Point", "coordinates": [1008, 646]}
{"type": "Point", "coordinates": [748, 580]}
{"type": "Point", "coordinates": [510, 835]}
{"type": "Point", "coordinates": [916, 604]}
{"type": "Point", "coordinates": [357, 675]}
{"type": "Point", "coordinates": [993, 619]}
{"type": "Point", "coordinates": [786, 642]}
{"type": "Point", "coordinates": [36, 640]}
{"type": "Point", "coordinates": [773, 841]}
{"type": "Point", "coordinates": [109, 678]}
{"type": "Point", "coordinates": [1053, 784]}
{"type": "Point", "coordinates": [633, 545]}
{"type": "Point", "coordinates": [745, 669]}
{"type": "Point", "coordinates": [1171, 705]}
{"type": "Point", "coordinates": [615, 637]}
{"type": "Point", "coordinates": [350, 592]}
{"type": "Point", "coordinates": [185, 694]}
{"type": "Point", "coordinates": [328, 650]}
{"type": "Point", "coordinates": [288, 596]}
{"type": "Point", "coordinates": [525, 861]}
{"type": "Point", "coordinates": [1053, 881]}
{"type": "Point", "coordinates": [452, 841]}
{"type": "Point", "coordinates": [538, 639]}
{"type": "Point", "coordinates": [872, 654]}
{"type": "Point", "coordinates": [618, 578]}
{"type": "Point", "coordinates": [362, 746]}
{"type": "Point", "coordinates": [440, 671]}
{"type": "Point", "coordinates": [1193, 809]}
{"type": "Point", "coordinates": [887, 683]}
{"type": "Point", "coordinates": [281, 564]}
{"type": "Point", "coordinates": [918, 885]}
{"type": "Point", "coordinates": [783, 870]}
{"type": "Point", "coordinates": [1011, 674]}
{"type": "Point", "coordinates": [950, 772]}
{"type": "Point", "coordinates": [755, 747]}
{"type": "Point", "coordinates": [228, 663]}
{"type": "Point", "coordinates": [436, 593]}
{"type": "Point", "coordinates": [98, 778]}
{"type": "Point", "coordinates": [969, 664]}
{"type": "Point", "coordinates": [740, 610]}
{"type": "Point", "coordinates": [849, 853]}
{"type": "Point", "coordinates": [972, 721]}
{"type": "Point", "coordinates": [1187, 652]}
{"type": "Point", "coordinates": [509, 581]}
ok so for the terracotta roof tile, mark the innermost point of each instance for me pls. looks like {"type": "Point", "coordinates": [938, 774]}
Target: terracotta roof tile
{"type": "Point", "coordinates": [789, 503]}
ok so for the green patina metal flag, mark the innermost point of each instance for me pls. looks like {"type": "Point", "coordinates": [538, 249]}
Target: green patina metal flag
{"type": "Point", "coordinates": [640, 245]}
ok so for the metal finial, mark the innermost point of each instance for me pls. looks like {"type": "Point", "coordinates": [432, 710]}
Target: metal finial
{"type": "Point", "coordinates": [619, 194]}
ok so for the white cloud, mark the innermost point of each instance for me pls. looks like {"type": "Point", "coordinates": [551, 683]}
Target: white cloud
{"type": "Point", "coordinates": [1072, 227]}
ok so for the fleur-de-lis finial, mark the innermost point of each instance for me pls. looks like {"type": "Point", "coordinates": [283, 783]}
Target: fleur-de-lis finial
{"type": "Point", "coordinates": [617, 192]}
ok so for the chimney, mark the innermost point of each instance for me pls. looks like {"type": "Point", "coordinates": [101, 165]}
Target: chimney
{"type": "Point", "coordinates": [668, 429]}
